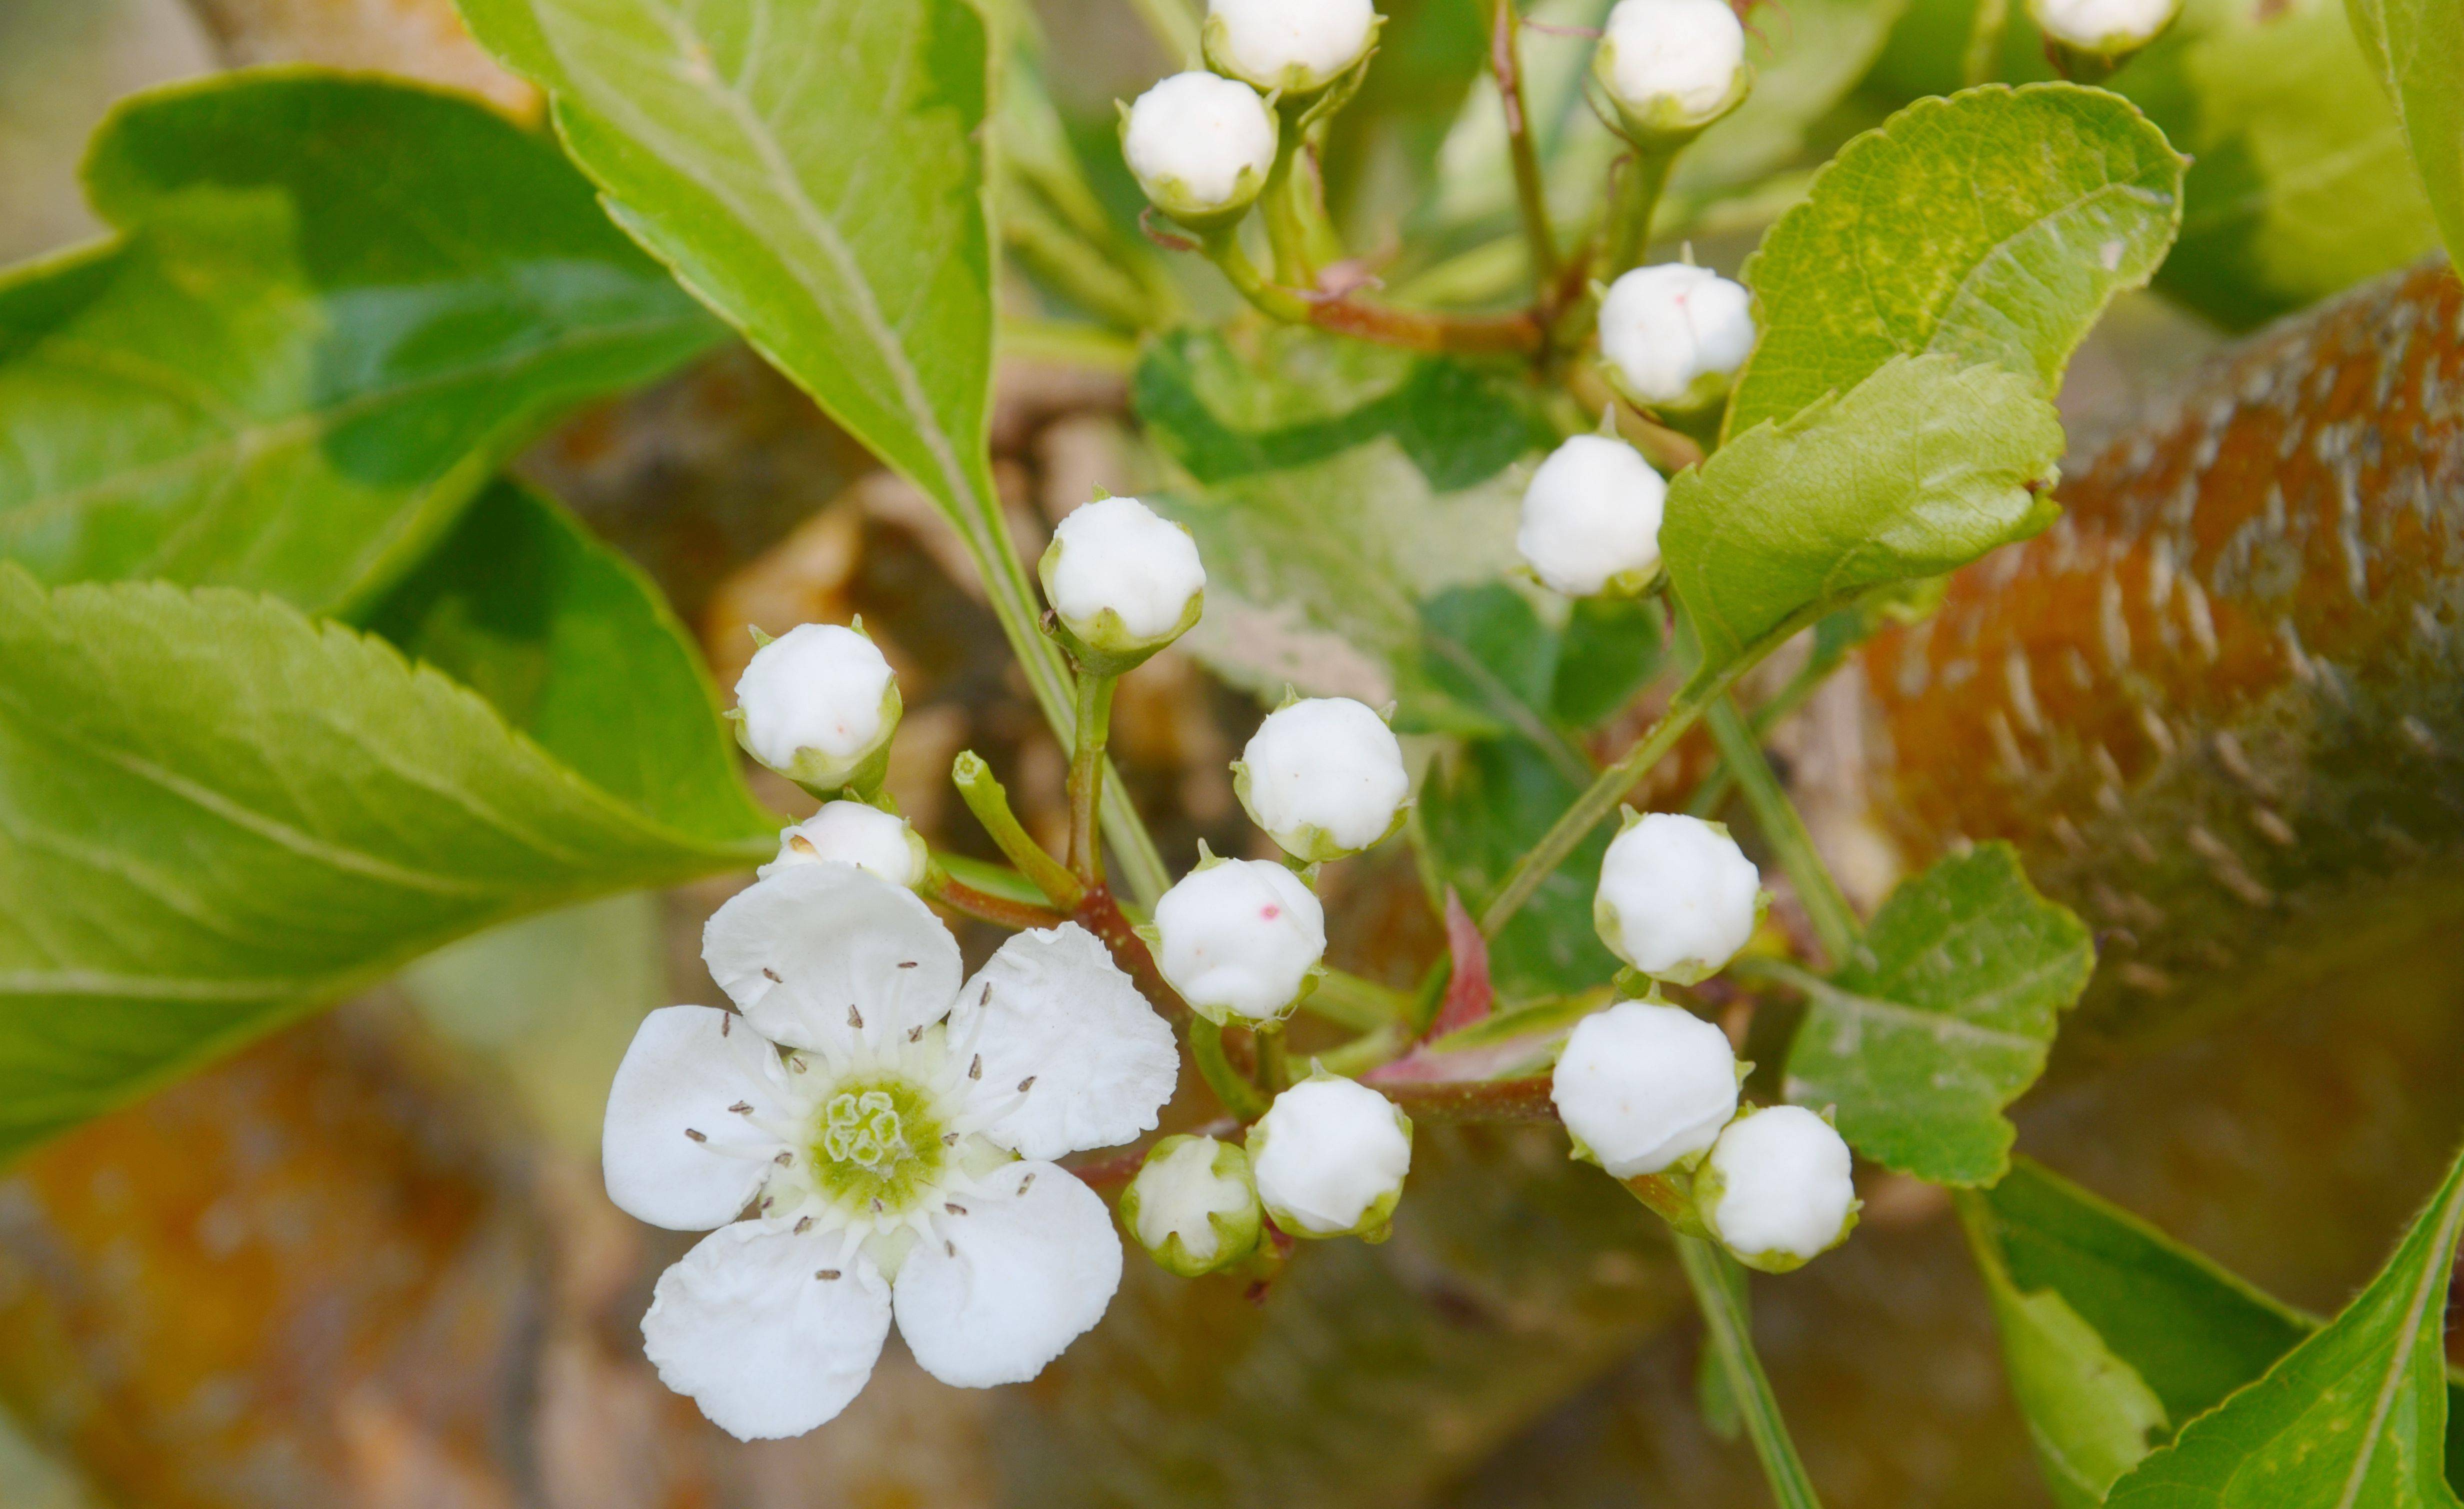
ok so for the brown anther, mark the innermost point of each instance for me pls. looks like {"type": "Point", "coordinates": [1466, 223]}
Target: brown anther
{"type": "Point", "coordinates": [876, 1206]}
{"type": "Point", "coordinates": [975, 1070]}
{"type": "Point", "coordinates": [825, 1274]}
{"type": "Point", "coordinates": [1024, 1183]}
{"type": "Point", "coordinates": [954, 1207]}
{"type": "Point", "coordinates": [796, 1064]}
{"type": "Point", "coordinates": [694, 1135]}
{"type": "Point", "coordinates": [950, 1247]}
{"type": "Point", "coordinates": [772, 975]}
{"type": "Point", "coordinates": [914, 1033]}
{"type": "Point", "coordinates": [726, 1022]}
{"type": "Point", "coordinates": [803, 845]}
{"type": "Point", "coordinates": [908, 964]}
{"type": "Point", "coordinates": [1026, 1084]}
{"type": "Point", "coordinates": [784, 1160]}
{"type": "Point", "coordinates": [855, 1019]}
{"type": "Point", "coordinates": [804, 1224]}
{"type": "Point", "coordinates": [743, 1108]}
{"type": "Point", "coordinates": [949, 1139]}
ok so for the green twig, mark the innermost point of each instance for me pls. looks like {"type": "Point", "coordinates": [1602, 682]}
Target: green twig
{"type": "Point", "coordinates": [1087, 776]}
{"type": "Point", "coordinates": [1531, 190]}
{"type": "Point", "coordinates": [1240, 1098]}
{"type": "Point", "coordinates": [999, 910]}
{"type": "Point", "coordinates": [1826, 906]}
{"type": "Point", "coordinates": [1719, 1289]}
{"type": "Point", "coordinates": [1638, 194]}
{"type": "Point", "coordinates": [1174, 28]}
{"type": "Point", "coordinates": [990, 803]}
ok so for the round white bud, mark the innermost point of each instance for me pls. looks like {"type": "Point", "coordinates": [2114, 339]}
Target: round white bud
{"type": "Point", "coordinates": [1672, 67]}
{"type": "Point", "coordinates": [1643, 1088]}
{"type": "Point", "coordinates": [1677, 897]}
{"type": "Point", "coordinates": [1124, 580]}
{"type": "Point", "coordinates": [1324, 776]}
{"type": "Point", "coordinates": [2106, 28]}
{"type": "Point", "coordinates": [1193, 1204]}
{"type": "Point", "coordinates": [818, 705]}
{"type": "Point", "coordinates": [1292, 45]}
{"type": "Point", "coordinates": [1199, 144]}
{"type": "Point", "coordinates": [1673, 335]}
{"type": "Point", "coordinates": [858, 834]}
{"type": "Point", "coordinates": [1591, 518]}
{"type": "Point", "coordinates": [1239, 938]}
{"type": "Point", "coordinates": [1776, 1189]}
{"type": "Point", "coordinates": [1329, 1157]}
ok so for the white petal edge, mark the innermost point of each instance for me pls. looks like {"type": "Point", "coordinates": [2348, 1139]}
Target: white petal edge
{"type": "Point", "coordinates": [813, 949]}
{"type": "Point", "coordinates": [998, 1293]}
{"type": "Point", "coordinates": [745, 1326]}
{"type": "Point", "coordinates": [1063, 1021]}
{"type": "Point", "coordinates": [686, 1067]}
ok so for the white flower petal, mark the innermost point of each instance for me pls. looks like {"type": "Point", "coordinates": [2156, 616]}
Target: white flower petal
{"type": "Point", "coordinates": [747, 1326]}
{"type": "Point", "coordinates": [674, 1153]}
{"type": "Point", "coordinates": [813, 951]}
{"type": "Point", "coordinates": [1005, 1287]}
{"type": "Point", "coordinates": [1051, 1006]}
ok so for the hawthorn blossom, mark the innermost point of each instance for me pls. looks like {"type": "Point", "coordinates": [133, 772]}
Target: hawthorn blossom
{"type": "Point", "coordinates": [886, 1137]}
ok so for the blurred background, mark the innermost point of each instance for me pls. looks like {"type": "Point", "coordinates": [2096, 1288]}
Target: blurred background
{"type": "Point", "coordinates": [368, 1261]}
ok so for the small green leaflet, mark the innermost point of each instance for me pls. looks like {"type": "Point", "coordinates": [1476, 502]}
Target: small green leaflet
{"type": "Point", "coordinates": [814, 169]}
{"type": "Point", "coordinates": [2417, 49]}
{"type": "Point", "coordinates": [334, 306]}
{"type": "Point", "coordinates": [1993, 227]}
{"type": "Point", "coordinates": [2355, 1417]}
{"type": "Point", "coordinates": [1918, 469]}
{"type": "Point", "coordinates": [1943, 1018]}
{"type": "Point", "coordinates": [216, 814]}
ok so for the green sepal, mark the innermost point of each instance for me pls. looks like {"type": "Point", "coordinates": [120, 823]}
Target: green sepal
{"type": "Point", "coordinates": [1237, 1233]}
{"type": "Point", "coordinates": [1172, 196]}
{"type": "Point", "coordinates": [1664, 128]}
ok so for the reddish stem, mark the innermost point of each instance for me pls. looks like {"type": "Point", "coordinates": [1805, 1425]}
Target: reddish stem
{"type": "Point", "coordinates": [1524, 1100]}
{"type": "Point", "coordinates": [999, 910]}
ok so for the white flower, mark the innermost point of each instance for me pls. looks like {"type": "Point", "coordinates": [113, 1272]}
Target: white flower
{"type": "Point", "coordinates": [2106, 28]}
{"type": "Point", "coordinates": [1776, 1190]}
{"type": "Point", "coordinates": [818, 705]}
{"type": "Point", "coordinates": [1239, 938]}
{"type": "Point", "coordinates": [1673, 333]}
{"type": "Point", "coordinates": [1193, 1204]}
{"type": "Point", "coordinates": [1124, 580]}
{"type": "Point", "coordinates": [1325, 777]}
{"type": "Point", "coordinates": [1677, 897]}
{"type": "Point", "coordinates": [1200, 145]}
{"type": "Point", "coordinates": [1292, 45]}
{"type": "Point", "coordinates": [859, 834]}
{"type": "Point", "coordinates": [896, 1157]}
{"type": "Point", "coordinates": [1329, 1156]}
{"type": "Point", "coordinates": [1672, 67]}
{"type": "Point", "coordinates": [1645, 1086]}
{"type": "Point", "coordinates": [1591, 518]}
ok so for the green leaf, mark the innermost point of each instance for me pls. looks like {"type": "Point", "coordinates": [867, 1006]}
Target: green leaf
{"type": "Point", "coordinates": [1478, 811]}
{"type": "Point", "coordinates": [215, 813]}
{"type": "Point", "coordinates": [1993, 227]}
{"type": "Point", "coordinates": [1919, 468]}
{"type": "Point", "coordinates": [334, 306]}
{"type": "Point", "coordinates": [2355, 1416]}
{"type": "Point", "coordinates": [576, 650]}
{"type": "Point", "coordinates": [2298, 184]}
{"type": "Point", "coordinates": [2416, 47]}
{"type": "Point", "coordinates": [1491, 667]}
{"type": "Point", "coordinates": [1943, 1018]}
{"type": "Point", "coordinates": [1609, 647]}
{"type": "Point", "coordinates": [814, 170]}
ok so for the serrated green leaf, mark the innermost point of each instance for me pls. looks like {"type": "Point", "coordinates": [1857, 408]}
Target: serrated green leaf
{"type": "Point", "coordinates": [1942, 1017]}
{"type": "Point", "coordinates": [2298, 184]}
{"type": "Point", "coordinates": [814, 170]}
{"type": "Point", "coordinates": [1993, 227]}
{"type": "Point", "coordinates": [334, 306]}
{"type": "Point", "coordinates": [1918, 469]}
{"type": "Point", "coordinates": [2418, 49]}
{"type": "Point", "coordinates": [215, 813]}
{"type": "Point", "coordinates": [2356, 1415]}
{"type": "Point", "coordinates": [576, 647]}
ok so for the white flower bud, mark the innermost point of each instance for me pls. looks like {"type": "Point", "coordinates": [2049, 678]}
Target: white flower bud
{"type": "Point", "coordinates": [1292, 45]}
{"type": "Point", "coordinates": [1329, 1157]}
{"type": "Point", "coordinates": [1124, 580]}
{"type": "Point", "coordinates": [858, 834]}
{"type": "Point", "coordinates": [1672, 67]}
{"type": "Point", "coordinates": [1643, 1088]}
{"type": "Point", "coordinates": [1193, 1204]}
{"type": "Point", "coordinates": [1673, 335]}
{"type": "Point", "coordinates": [1676, 898]}
{"type": "Point", "coordinates": [818, 705]}
{"type": "Point", "coordinates": [1591, 518]}
{"type": "Point", "coordinates": [1200, 145]}
{"type": "Point", "coordinates": [1325, 777]}
{"type": "Point", "coordinates": [1239, 938]}
{"type": "Point", "coordinates": [2106, 28]}
{"type": "Point", "coordinates": [1776, 1189]}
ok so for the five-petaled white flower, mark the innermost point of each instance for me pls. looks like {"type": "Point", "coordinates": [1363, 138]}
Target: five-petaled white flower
{"type": "Point", "coordinates": [892, 1133]}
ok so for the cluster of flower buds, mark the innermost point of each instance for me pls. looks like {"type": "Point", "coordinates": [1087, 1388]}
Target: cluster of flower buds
{"type": "Point", "coordinates": [1672, 67]}
{"type": "Point", "coordinates": [1201, 145]}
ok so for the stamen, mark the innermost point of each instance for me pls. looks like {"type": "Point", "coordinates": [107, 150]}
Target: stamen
{"type": "Point", "coordinates": [772, 975]}
{"type": "Point", "coordinates": [694, 1135]}
{"type": "Point", "coordinates": [726, 1021]}
{"type": "Point", "coordinates": [949, 1139]}
{"type": "Point", "coordinates": [954, 1207]}
{"type": "Point", "coordinates": [975, 1070]}
{"type": "Point", "coordinates": [855, 1019]}
{"type": "Point", "coordinates": [802, 845]}
{"type": "Point", "coordinates": [743, 1108]}
{"type": "Point", "coordinates": [950, 1247]}
{"type": "Point", "coordinates": [804, 1224]}
{"type": "Point", "coordinates": [1026, 1084]}
{"type": "Point", "coordinates": [796, 1062]}
{"type": "Point", "coordinates": [1024, 1183]}
{"type": "Point", "coordinates": [786, 1159]}
{"type": "Point", "coordinates": [914, 1033]}
{"type": "Point", "coordinates": [908, 964]}
{"type": "Point", "coordinates": [825, 1274]}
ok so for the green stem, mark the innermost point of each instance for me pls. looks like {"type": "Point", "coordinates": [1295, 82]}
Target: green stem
{"type": "Point", "coordinates": [1531, 190]}
{"type": "Point", "coordinates": [990, 803]}
{"type": "Point", "coordinates": [1240, 1098]}
{"type": "Point", "coordinates": [1638, 187]}
{"type": "Point", "coordinates": [1381, 324]}
{"type": "Point", "coordinates": [999, 910]}
{"type": "Point", "coordinates": [1366, 1052]}
{"type": "Point", "coordinates": [1274, 1068]}
{"type": "Point", "coordinates": [1087, 776]}
{"type": "Point", "coordinates": [1350, 1001]}
{"type": "Point", "coordinates": [1719, 1289]}
{"type": "Point", "coordinates": [1826, 906]}
{"type": "Point", "coordinates": [1223, 249]}
{"type": "Point", "coordinates": [1280, 204]}
{"type": "Point", "coordinates": [1174, 28]}
{"type": "Point", "coordinates": [1602, 796]}
{"type": "Point", "coordinates": [1802, 685]}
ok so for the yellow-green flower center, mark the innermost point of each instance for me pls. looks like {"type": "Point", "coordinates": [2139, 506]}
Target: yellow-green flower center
{"type": "Point", "coordinates": [877, 1142]}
